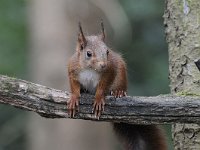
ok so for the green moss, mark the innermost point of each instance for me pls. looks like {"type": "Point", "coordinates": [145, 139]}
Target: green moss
{"type": "Point", "coordinates": [6, 86]}
{"type": "Point", "coordinates": [184, 93]}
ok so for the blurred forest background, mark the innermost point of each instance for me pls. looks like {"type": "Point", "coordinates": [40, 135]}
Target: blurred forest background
{"type": "Point", "coordinates": [37, 38]}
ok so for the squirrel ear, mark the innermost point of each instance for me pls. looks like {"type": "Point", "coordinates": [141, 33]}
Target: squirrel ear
{"type": "Point", "coordinates": [102, 35]}
{"type": "Point", "coordinates": [81, 38]}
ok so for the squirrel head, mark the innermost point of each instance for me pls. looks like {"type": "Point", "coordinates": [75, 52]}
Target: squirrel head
{"type": "Point", "coordinates": [92, 51]}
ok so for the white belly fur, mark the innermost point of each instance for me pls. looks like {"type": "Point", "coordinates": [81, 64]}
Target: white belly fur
{"type": "Point", "coordinates": [89, 80]}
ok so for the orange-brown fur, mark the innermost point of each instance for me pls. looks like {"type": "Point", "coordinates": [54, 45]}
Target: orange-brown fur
{"type": "Point", "coordinates": [110, 68]}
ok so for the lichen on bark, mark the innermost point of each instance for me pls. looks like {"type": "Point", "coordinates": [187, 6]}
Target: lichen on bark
{"type": "Point", "coordinates": [182, 22]}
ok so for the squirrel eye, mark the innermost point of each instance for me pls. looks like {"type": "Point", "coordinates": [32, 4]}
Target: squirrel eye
{"type": "Point", "coordinates": [89, 53]}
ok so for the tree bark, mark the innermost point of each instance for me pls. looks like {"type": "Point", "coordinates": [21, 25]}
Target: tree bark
{"type": "Point", "coordinates": [51, 103]}
{"type": "Point", "coordinates": [183, 37]}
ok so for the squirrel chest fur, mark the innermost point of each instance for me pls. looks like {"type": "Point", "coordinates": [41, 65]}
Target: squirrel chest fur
{"type": "Point", "coordinates": [96, 69]}
{"type": "Point", "coordinates": [89, 79]}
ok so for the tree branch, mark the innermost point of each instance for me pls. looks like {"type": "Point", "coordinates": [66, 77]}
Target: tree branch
{"type": "Point", "coordinates": [51, 103]}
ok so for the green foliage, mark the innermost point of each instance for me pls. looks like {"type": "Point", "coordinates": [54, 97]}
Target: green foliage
{"type": "Point", "coordinates": [13, 37]}
{"type": "Point", "coordinates": [146, 54]}
{"type": "Point", "coordinates": [12, 62]}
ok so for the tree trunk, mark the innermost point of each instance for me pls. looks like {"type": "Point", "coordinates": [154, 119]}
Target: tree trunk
{"type": "Point", "coordinates": [182, 22]}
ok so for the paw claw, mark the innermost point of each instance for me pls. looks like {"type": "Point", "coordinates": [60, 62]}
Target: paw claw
{"type": "Point", "coordinates": [73, 106]}
{"type": "Point", "coordinates": [125, 94]}
{"type": "Point", "coordinates": [111, 93]}
{"type": "Point", "coordinates": [98, 108]}
{"type": "Point", "coordinates": [119, 93]}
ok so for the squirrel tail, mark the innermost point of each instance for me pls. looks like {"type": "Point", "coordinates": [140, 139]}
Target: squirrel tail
{"type": "Point", "coordinates": [140, 137]}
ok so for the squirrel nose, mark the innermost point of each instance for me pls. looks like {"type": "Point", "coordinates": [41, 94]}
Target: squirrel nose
{"type": "Point", "coordinates": [102, 65]}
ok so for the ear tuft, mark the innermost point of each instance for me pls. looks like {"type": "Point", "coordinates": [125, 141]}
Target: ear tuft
{"type": "Point", "coordinates": [81, 38]}
{"type": "Point", "coordinates": [103, 36]}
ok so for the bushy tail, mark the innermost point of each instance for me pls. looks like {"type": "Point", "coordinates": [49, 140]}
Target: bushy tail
{"type": "Point", "coordinates": [140, 137]}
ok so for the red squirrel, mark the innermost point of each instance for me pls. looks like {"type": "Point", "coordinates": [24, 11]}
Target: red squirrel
{"type": "Point", "coordinates": [96, 69]}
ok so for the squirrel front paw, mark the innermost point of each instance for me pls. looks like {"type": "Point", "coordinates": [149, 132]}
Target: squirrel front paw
{"type": "Point", "coordinates": [73, 105]}
{"type": "Point", "coordinates": [118, 93]}
{"type": "Point", "coordinates": [98, 107]}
